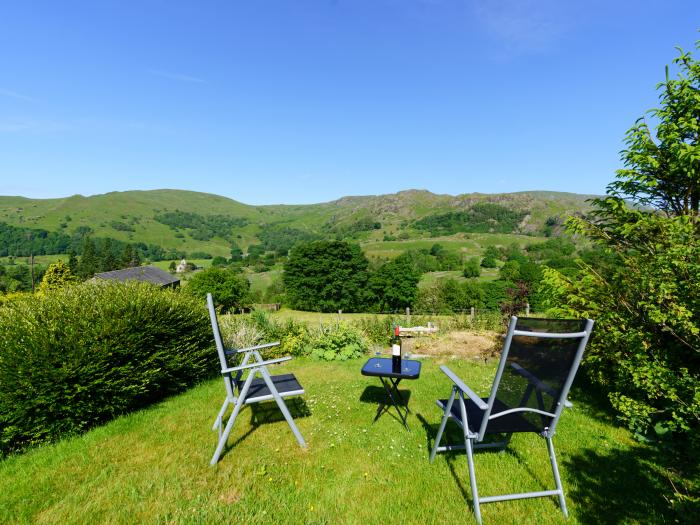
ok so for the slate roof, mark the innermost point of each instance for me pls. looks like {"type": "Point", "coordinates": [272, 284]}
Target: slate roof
{"type": "Point", "coordinates": [149, 274]}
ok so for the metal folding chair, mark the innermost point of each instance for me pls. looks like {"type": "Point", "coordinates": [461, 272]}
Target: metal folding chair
{"type": "Point", "coordinates": [251, 389]}
{"type": "Point", "coordinates": [538, 364]}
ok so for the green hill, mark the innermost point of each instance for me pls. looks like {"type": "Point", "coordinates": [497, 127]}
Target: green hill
{"type": "Point", "coordinates": [202, 222]}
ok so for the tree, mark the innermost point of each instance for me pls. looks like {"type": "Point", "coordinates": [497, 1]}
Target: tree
{"type": "Point", "coordinates": [130, 257]}
{"type": "Point", "coordinates": [108, 261]}
{"type": "Point", "coordinates": [662, 169]}
{"type": "Point", "coordinates": [72, 263]}
{"type": "Point", "coordinates": [89, 263]}
{"type": "Point", "coordinates": [229, 289]}
{"type": "Point", "coordinates": [326, 276]}
{"type": "Point", "coordinates": [57, 276]}
{"type": "Point", "coordinates": [645, 292]}
{"type": "Point", "coordinates": [488, 262]}
{"type": "Point", "coordinates": [394, 285]}
{"type": "Point", "coordinates": [472, 268]}
{"type": "Point", "coordinates": [236, 253]}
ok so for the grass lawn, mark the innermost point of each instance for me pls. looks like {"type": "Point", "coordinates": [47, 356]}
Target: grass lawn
{"type": "Point", "coordinates": [152, 466]}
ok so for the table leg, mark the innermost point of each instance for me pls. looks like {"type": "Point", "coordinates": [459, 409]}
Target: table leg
{"type": "Point", "coordinates": [390, 391]}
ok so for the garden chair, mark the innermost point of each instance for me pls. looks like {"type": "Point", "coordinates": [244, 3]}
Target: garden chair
{"type": "Point", "coordinates": [250, 389]}
{"type": "Point", "coordinates": [538, 364]}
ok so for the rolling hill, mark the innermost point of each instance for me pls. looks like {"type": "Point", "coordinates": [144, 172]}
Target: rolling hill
{"type": "Point", "coordinates": [192, 221]}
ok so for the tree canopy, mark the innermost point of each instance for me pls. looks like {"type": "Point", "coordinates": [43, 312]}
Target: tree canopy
{"type": "Point", "coordinates": [326, 276]}
{"type": "Point", "coordinates": [645, 292]}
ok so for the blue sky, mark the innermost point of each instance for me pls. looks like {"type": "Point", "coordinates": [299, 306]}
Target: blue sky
{"type": "Point", "coordinates": [307, 101]}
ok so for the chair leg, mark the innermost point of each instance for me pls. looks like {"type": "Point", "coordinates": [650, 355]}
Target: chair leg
{"type": "Point", "coordinates": [445, 417]}
{"type": "Point", "coordinates": [472, 478]}
{"type": "Point", "coordinates": [217, 421]}
{"type": "Point", "coordinates": [557, 479]}
{"type": "Point", "coordinates": [223, 438]}
{"type": "Point", "coordinates": [229, 425]}
{"type": "Point", "coordinates": [282, 406]}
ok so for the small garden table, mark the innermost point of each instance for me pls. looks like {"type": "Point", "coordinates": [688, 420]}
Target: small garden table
{"type": "Point", "coordinates": [381, 367]}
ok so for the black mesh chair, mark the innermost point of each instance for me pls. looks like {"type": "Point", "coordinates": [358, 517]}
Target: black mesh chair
{"type": "Point", "coordinates": [241, 391]}
{"type": "Point", "coordinates": [538, 364]}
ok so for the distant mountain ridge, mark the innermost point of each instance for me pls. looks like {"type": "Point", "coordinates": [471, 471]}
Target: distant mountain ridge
{"type": "Point", "coordinates": [193, 221]}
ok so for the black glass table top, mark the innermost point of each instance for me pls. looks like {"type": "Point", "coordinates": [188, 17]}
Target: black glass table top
{"type": "Point", "coordinates": [382, 367]}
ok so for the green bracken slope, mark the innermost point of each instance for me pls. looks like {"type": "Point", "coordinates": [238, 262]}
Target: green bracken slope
{"type": "Point", "coordinates": [131, 215]}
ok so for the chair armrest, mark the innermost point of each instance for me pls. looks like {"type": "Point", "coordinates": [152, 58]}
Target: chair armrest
{"type": "Point", "coordinates": [464, 388]}
{"type": "Point", "coordinates": [231, 351]}
{"type": "Point", "coordinates": [257, 364]}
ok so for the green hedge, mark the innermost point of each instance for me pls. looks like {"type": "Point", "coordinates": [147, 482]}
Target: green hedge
{"type": "Point", "coordinates": [76, 357]}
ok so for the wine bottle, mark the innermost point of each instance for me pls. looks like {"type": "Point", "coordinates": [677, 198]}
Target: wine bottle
{"type": "Point", "coordinates": [396, 351]}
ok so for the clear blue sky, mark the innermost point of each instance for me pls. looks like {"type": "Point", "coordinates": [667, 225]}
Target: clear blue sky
{"type": "Point", "coordinates": [304, 101]}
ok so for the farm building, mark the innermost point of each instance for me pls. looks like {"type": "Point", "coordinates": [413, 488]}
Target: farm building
{"type": "Point", "coordinates": [149, 274]}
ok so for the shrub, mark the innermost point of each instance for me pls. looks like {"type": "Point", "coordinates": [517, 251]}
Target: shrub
{"type": "Point", "coordinates": [229, 289]}
{"type": "Point", "coordinates": [340, 342]}
{"type": "Point", "coordinates": [79, 356]}
{"type": "Point", "coordinates": [57, 275]}
{"type": "Point", "coordinates": [472, 268]}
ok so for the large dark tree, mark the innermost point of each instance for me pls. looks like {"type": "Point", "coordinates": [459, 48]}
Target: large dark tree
{"type": "Point", "coordinates": [326, 276]}
{"type": "Point", "coordinates": [394, 285]}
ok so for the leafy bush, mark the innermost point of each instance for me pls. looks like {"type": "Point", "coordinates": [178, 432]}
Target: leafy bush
{"type": "Point", "coordinates": [645, 293]}
{"type": "Point", "coordinates": [340, 342]}
{"type": "Point", "coordinates": [79, 356]}
{"type": "Point", "coordinates": [229, 289]}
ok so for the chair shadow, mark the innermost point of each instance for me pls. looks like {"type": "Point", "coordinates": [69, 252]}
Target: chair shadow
{"type": "Point", "coordinates": [453, 435]}
{"type": "Point", "coordinates": [267, 412]}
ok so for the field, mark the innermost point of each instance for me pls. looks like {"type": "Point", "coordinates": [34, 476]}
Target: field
{"type": "Point", "coordinates": [152, 466]}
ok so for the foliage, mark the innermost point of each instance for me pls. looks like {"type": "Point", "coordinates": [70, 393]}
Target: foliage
{"type": "Point", "coordinates": [57, 276]}
{"type": "Point", "coordinates": [394, 285]}
{"type": "Point", "coordinates": [449, 295]}
{"type": "Point", "coordinates": [339, 342]}
{"type": "Point", "coordinates": [326, 276]}
{"type": "Point", "coordinates": [488, 262]}
{"type": "Point", "coordinates": [472, 269]}
{"type": "Point", "coordinates": [281, 239]}
{"type": "Point", "coordinates": [78, 356]}
{"type": "Point", "coordinates": [645, 292]}
{"type": "Point", "coordinates": [19, 241]}
{"type": "Point", "coordinates": [662, 165]}
{"type": "Point", "coordinates": [202, 228]}
{"type": "Point", "coordinates": [229, 289]}
{"type": "Point", "coordinates": [482, 217]}
{"type": "Point", "coordinates": [18, 278]}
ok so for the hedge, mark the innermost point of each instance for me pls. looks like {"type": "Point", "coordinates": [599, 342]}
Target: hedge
{"type": "Point", "coordinates": [79, 356]}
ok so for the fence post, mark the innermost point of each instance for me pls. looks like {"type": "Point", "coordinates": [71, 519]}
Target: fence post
{"type": "Point", "coordinates": [408, 316]}
{"type": "Point", "coordinates": [527, 308]}
{"type": "Point", "coordinates": [471, 314]}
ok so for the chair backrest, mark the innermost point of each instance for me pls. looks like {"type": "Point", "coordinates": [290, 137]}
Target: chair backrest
{"type": "Point", "coordinates": [229, 381]}
{"type": "Point", "coordinates": [217, 333]}
{"type": "Point", "coordinates": [538, 364]}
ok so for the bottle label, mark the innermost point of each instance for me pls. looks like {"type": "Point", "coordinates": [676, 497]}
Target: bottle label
{"type": "Point", "coordinates": [395, 349]}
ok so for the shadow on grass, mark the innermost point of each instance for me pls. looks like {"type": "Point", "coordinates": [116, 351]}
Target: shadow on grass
{"type": "Point", "coordinates": [376, 395]}
{"type": "Point", "coordinates": [265, 413]}
{"type": "Point", "coordinates": [622, 486]}
{"type": "Point", "coordinates": [453, 436]}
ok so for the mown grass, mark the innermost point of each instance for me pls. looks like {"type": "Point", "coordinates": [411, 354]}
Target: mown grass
{"type": "Point", "coordinates": [152, 466]}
